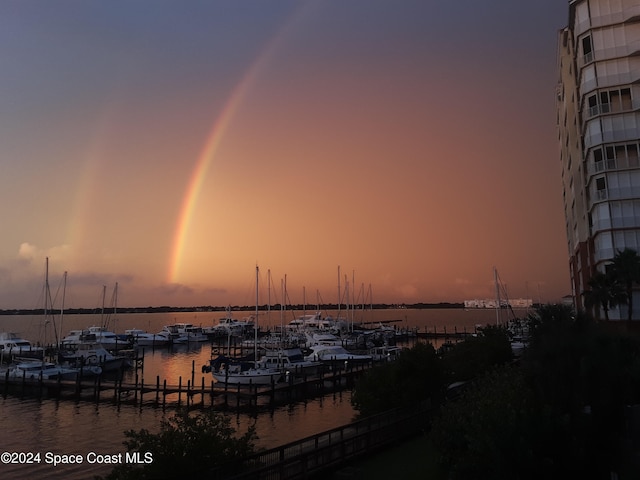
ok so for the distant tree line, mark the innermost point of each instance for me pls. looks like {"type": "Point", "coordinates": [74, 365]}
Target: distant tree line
{"type": "Point", "coordinates": [235, 308]}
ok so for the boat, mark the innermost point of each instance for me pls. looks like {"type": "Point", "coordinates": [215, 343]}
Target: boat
{"type": "Point", "coordinates": [31, 369]}
{"type": "Point", "coordinates": [184, 333]}
{"type": "Point", "coordinates": [234, 374]}
{"type": "Point", "coordinates": [11, 345]}
{"type": "Point", "coordinates": [94, 354]}
{"type": "Point", "coordinates": [385, 353]}
{"type": "Point", "coordinates": [228, 325]}
{"type": "Point", "coordinates": [335, 353]}
{"type": "Point", "coordinates": [237, 373]}
{"type": "Point", "coordinates": [95, 334]}
{"type": "Point", "coordinates": [288, 361]}
{"type": "Point", "coordinates": [141, 338]}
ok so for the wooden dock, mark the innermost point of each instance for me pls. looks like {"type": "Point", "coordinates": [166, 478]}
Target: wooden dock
{"type": "Point", "coordinates": [297, 385]}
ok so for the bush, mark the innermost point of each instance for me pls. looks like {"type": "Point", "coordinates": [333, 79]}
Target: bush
{"type": "Point", "coordinates": [187, 446]}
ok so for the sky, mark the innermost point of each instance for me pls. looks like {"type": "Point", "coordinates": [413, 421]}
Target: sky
{"type": "Point", "coordinates": [397, 151]}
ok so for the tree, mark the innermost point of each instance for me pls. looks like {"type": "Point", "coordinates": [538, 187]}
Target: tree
{"type": "Point", "coordinates": [604, 293]}
{"type": "Point", "coordinates": [625, 268]}
{"type": "Point", "coordinates": [414, 377]}
{"type": "Point", "coordinates": [476, 355]}
{"type": "Point", "coordinates": [187, 446]}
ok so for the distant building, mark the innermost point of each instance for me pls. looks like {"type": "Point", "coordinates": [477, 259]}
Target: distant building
{"type": "Point", "coordinates": [493, 303]}
{"type": "Point", "coordinates": [598, 115]}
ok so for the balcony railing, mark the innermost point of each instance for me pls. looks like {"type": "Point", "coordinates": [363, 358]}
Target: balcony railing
{"type": "Point", "coordinates": [610, 19]}
{"type": "Point", "coordinates": [616, 193]}
{"type": "Point", "coordinates": [606, 81]}
{"type": "Point", "coordinates": [626, 135]}
{"type": "Point", "coordinates": [618, 51]}
{"type": "Point", "coordinates": [615, 223]}
{"type": "Point", "coordinates": [621, 163]}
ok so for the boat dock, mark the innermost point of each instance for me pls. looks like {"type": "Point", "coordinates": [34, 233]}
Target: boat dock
{"type": "Point", "coordinates": [296, 385]}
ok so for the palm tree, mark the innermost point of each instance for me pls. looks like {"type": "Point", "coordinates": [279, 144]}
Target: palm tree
{"type": "Point", "coordinates": [604, 292]}
{"type": "Point", "coordinates": [625, 269]}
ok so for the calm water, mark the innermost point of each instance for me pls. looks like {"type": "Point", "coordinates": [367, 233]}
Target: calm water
{"type": "Point", "coordinates": [68, 427]}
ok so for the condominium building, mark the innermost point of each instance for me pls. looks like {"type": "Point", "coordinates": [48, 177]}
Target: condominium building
{"type": "Point", "coordinates": [598, 108]}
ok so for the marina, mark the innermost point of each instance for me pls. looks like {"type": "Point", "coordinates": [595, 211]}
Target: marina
{"type": "Point", "coordinates": [172, 377]}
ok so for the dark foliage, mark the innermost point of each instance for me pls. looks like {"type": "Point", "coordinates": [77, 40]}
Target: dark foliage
{"type": "Point", "coordinates": [414, 377]}
{"type": "Point", "coordinates": [187, 446]}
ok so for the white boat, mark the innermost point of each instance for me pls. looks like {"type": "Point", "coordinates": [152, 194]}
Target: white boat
{"type": "Point", "coordinates": [11, 345]}
{"type": "Point", "coordinates": [233, 373]}
{"type": "Point", "coordinates": [228, 325]}
{"type": "Point", "coordinates": [94, 334]}
{"type": "Point", "coordinates": [184, 333]}
{"type": "Point", "coordinates": [146, 339]}
{"type": "Point", "coordinates": [93, 354]}
{"type": "Point", "coordinates": [288, 360]}
{"type": "Point", "coordinates": [36, 370]}
{"type": "Point", "coordinates": [385, 353]}
{"type": "Point", "coordinates": [334, 353]}
{"type": "Point", "coordinates": [322, 338]}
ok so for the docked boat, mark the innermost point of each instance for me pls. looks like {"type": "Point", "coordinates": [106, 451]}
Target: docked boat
{"type": "Point", "coordinates": [234, 374]}
{"type": "Point", "coordinates": [92, 354]}
{"type": "Point", "coordinates": [385, 353]}
{"type": "Point", "coordinates": [241, 373]}
{"type": "Point", "coordinates": [95, 334]}
{"type": "Point", "coordinates": [30, 369]}
{"type": "Point", "coordinates": [228, 325]}
{"type": "Point", "coordinates": [11, 345]}
{"type": "Point", "coordinates": [334, 353]}
{"type": "Point", "coordinates": [184, 333]}
{"type": "Point", "coordinates": [141, 338]}
{"type": "Point", "coordinates": [288, 360]}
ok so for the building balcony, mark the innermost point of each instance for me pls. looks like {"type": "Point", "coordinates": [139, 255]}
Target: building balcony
{"type": "Point", "coordinates": [618, 51]}
{"type": "Point", "coordinates": [622, 163]}
{"type": "Point", "coordinates": [608, 81]}
{"type": "Point", "coordinates": [619, 193]}
{"type": "Point", "coordinates": [626, 15]}
{"type": "Point", "coordinates": [615, 223]}
{"type": "Point", "coordinates": [624, 135]}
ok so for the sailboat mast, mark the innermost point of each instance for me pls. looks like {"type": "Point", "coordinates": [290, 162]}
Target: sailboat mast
{"type": "Point", "coordinates": [64, 292]}
{"type": "Point", "coordinates": [339, 293]}
{"type": "Point", "coordinates": [495, 279]}
{"type": "Point", "coordinates": [255, 327]}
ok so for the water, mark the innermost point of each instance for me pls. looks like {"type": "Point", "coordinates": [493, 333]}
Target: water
{"type": "Point", "coordinates": [69, 427]}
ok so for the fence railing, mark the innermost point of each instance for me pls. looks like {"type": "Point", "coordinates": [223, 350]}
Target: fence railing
{"type": "Point", "coordinates": [311, 455]}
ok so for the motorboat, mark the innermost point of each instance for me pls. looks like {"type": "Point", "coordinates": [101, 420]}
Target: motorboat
{"type": "Point", "coordinates": [242, 371]}
{"type": "Point", "coordinates": [141, 338]}
{"type": "Point", "coordinates": [234, 374]}
{"type": "Point", "coordinates": [385, 353]}
{"type": "Point", "coordinates": [228, 325]}
{"type": "Point", "coordinates": [93, 354]}
{"type": "Point", "coordinates": [93, 335]}
{"type": "Point", "coordinates": [334, 353]}
{"type": "Point", "coordinates": [288, 360]}
{"type": "Point", "coordinates": [184, 333]}
{"type": "Point", "coordinates": [11, 345]}
{"type": "Point", "coordinates": [30, 369]}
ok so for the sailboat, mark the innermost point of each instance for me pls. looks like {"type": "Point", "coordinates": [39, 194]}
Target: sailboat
{"type": "Point", "coordinates": [240, 373]}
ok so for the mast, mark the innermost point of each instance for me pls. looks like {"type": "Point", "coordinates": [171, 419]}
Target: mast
{"type": "Point", "coordinates": [255, 327]}
{"type": "Point", "coordinates": [339, 294]}
{"type": "Point", "coordinates": [64, 291]}
{"type": "Point", "coordinates": [495, 279]}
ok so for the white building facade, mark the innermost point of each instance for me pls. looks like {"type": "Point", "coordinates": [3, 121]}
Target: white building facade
{"type": "Point", "coordinates": [598, 107]}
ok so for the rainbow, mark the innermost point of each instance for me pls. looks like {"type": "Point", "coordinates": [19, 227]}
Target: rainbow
{"type": "Point", "coordinates": [214, 140]}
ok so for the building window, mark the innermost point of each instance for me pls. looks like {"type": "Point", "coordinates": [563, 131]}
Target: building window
{"type": "Point", "coordinates": [587, 49]}
{"type": "Point", "coordinates": [609, 101]}
{"type": "Point", "coordinates": [601, 188]}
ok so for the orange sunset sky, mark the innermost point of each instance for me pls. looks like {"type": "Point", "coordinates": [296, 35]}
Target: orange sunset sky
{"type": "Point", "coordinates": [172, 146]}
